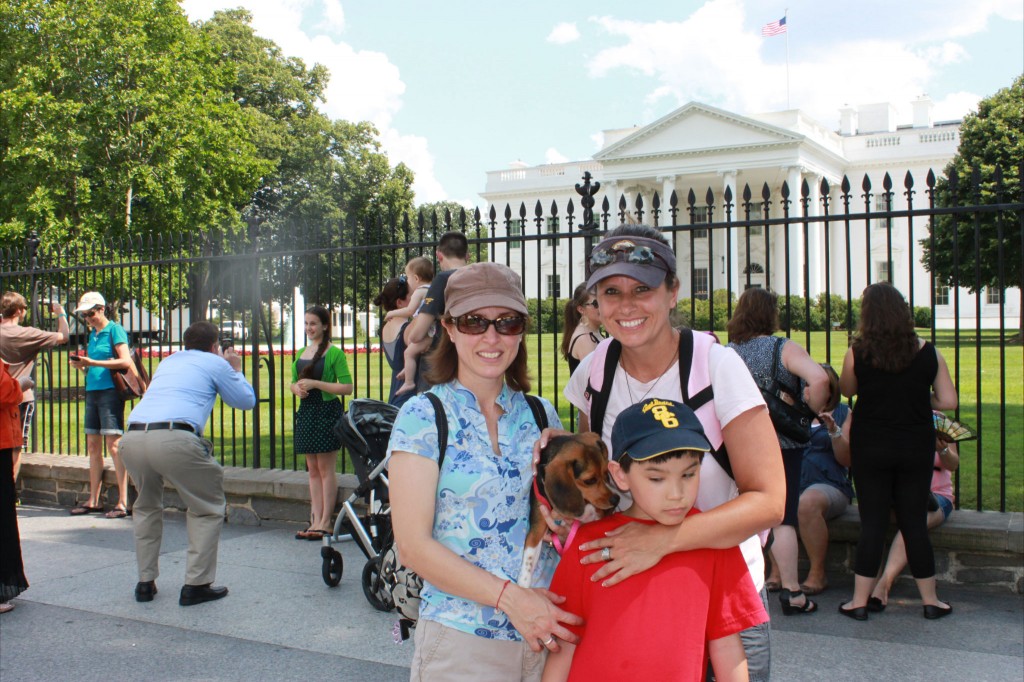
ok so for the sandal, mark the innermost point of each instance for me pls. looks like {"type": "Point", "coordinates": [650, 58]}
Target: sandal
{"type": "Point", "coordinates": [811, 590]}
{"type": "Point", "coordinates": [789, 609]}
{"type": "Point", "coordinates": [772, 586]}
{"type": "Point", "coordinates": [6, 606]}
{"type": "Point", "coordinates": [314, 534]}
{"type": "Point", "coordinates": [303, 534]}
{"type": "Point", "coordinates": [116, 513]}
{"type": "Point", "coordinates": [85, 509]}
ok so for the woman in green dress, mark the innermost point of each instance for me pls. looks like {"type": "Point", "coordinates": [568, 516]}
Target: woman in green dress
{"type": "Point", "coordinates": [319, 375]}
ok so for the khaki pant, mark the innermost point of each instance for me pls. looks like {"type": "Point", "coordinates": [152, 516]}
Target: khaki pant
{"type": "Point", "coordinates": [183, 459]}
{"type": "Point", "coordinates": [443, 653]}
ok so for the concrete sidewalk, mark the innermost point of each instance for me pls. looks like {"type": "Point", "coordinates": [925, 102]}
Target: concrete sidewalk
{"type": "Point", "coordinates": [79, 620]}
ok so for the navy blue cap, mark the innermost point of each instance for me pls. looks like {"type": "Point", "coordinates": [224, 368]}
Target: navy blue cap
{"type": "Point", "coordinates": [655, 427]}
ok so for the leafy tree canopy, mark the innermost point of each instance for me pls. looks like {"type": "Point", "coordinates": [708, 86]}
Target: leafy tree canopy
{"type": "Point", "coordinates": [989, 139]}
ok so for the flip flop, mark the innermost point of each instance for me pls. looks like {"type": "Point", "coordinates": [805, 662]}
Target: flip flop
{"type": "Point", "coordinates": [116, 514]}
{"type": "Point", "coordinates": [772, 586]}
{"type": "Point", "coordinates": [83, 509]}
{"type": "Point", "coordinates": [314, 534]}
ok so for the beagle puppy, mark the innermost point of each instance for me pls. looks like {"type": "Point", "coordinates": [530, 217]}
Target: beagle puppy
{"type": "Point", "coordinates": [571, 479]}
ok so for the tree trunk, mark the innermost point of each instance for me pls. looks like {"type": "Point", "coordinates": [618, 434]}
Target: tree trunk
{"type": "Point", "coordinates": [128, 209]}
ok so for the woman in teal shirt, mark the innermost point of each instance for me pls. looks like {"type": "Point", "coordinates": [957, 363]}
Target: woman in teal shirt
{"type": "Point", "coordinates": [319, 375]}
{"type": "Point", "coordinates": [104, 408]}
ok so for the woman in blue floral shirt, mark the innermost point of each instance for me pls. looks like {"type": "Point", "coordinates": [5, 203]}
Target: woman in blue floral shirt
{"type": "Point", "coordinates": [463, 528]}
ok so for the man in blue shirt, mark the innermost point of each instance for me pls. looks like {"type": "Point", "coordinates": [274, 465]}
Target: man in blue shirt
{"type": "Point", "coordinates": [164, 441]}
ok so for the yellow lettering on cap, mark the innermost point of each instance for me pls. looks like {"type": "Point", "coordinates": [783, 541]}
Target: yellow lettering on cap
{"type": "Point", "coordinates": [665, 416]}
{"type": "Point", "coordinates": [654, 402]}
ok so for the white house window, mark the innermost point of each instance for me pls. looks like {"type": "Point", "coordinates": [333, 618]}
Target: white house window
{"type": "Point", "coordinates": [700, 283]}
{"type": "Point", "coordinates": [881, 206]}
{"type": "Point", "coordinates": [515, 229]}
{"type": "Point", "coordinates": [882, 271]}
{"type": "Point", "coordinates": [993, 296]}
{"type": "Point", "coordinates": [554, 286]}
{"type": "Point", "coordinates": [700, 215]}
{"type": "Point", "coordinates": [553, 229]}
{"type": "Point", "coordinates": [941, 294]}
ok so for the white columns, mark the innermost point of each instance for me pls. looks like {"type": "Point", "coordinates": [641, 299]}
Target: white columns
{"type": "Point", "coordinates": [795, 244]}
{"type": "Point", "coordinates": [815, 257]}
{"type": "Point", "coordinates": [732, 253]}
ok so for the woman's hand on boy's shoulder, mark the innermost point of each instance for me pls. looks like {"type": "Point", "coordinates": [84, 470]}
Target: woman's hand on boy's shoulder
{"type": "Point", "coordinates": [634, 548]}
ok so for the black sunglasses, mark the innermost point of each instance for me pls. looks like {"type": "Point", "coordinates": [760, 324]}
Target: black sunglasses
{"type": "Point", "coordinates": [506, 325]}
{"type": "Point", "coordinates": [89, 314]}
{"type": "Point", "coordinates": [592, 304]}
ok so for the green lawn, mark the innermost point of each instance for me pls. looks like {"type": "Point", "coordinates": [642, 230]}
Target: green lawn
{"type": "Point", "coordinates": [1000, 423]}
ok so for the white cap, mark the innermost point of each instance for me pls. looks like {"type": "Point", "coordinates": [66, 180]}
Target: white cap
{"type": "Point", "coordinates": [90, 300]}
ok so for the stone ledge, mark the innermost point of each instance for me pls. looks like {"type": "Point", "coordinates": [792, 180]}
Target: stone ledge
{"type": "Point", "coordinates": [965, 530]}
{"type": "Point", "coordinates": [981, 548]}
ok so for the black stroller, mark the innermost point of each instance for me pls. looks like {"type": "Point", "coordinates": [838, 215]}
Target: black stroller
{"type": "Point", "coordinates": [365, 430]}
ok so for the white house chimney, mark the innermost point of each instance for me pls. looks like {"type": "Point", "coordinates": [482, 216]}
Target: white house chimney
{"type": "Point", "coordinates": [877, 118]}
{"type": "Point", "coordinates": [923, 106]}
{"type": "Point", "coordinates": [847, 121]}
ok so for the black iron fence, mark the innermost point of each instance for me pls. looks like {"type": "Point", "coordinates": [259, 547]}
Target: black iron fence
{"type": "Point", "coordinates": [816, 245]}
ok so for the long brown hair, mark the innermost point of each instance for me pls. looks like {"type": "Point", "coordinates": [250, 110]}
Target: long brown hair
{"type": "Point", "coordinates": [325, 341]}
{"type": "Point", "coordinates": [572, 316]}
{"type": "Point", "coordinates": [885, 335]}
{"type": "Point", "coordinates": [443, 362]}
{"type": "Point", "coordinates": [756, 314]}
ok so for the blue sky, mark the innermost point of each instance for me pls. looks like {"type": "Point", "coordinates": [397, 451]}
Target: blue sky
{"type": "Point", "coordinates": [461, 87]}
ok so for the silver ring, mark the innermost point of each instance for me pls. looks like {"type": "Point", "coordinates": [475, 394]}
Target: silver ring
{"type": "Point", "coordinates": [606, 554]}
{"type": "Point", "coordinates": [549, 641]}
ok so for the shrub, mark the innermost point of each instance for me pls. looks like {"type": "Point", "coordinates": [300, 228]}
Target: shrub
{"type": "Point", "coordinates": [922, 317]}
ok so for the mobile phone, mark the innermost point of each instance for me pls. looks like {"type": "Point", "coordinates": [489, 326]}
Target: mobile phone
{"type": "Point", "coordinates": [74, 357]}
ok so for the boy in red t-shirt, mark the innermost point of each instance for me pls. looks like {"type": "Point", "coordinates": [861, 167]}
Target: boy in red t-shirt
{"type": "Point", "coordinates": [663, 623]}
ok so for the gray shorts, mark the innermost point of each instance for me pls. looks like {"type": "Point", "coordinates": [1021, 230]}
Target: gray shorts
{"type": "Point", "coordinates": [837, 501]}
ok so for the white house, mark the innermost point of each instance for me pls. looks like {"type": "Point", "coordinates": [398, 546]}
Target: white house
{"type": "Point", "coordinates": [701, 148]}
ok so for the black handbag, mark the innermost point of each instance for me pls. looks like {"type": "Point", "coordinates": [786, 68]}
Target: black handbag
{"type": "Point", "coordinates": [790, 419]}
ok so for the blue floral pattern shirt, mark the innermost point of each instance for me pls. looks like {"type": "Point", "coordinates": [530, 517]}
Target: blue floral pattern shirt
{"type": "Point", "coordinates": [482, 509]}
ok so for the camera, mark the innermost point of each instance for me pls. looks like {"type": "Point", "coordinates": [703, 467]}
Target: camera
{"type": "Point", "coordinates": [226, 341]}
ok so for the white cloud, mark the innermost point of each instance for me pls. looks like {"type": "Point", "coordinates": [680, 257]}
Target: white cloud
{"type": "Point", "coordinates": [552, 155]}
{"type": "Point", "coordinates": [955, 106]}
{"type": "Point", "coordinates": [364, 84]}
{"type": "Point", "coordinates": [565, 32]}
{"type": "Point", "coordinates": [711, 58]}
{"type": "Point", "coordinates": [598, 140]}
{"type": "Point", "coordinates": [334, 13]}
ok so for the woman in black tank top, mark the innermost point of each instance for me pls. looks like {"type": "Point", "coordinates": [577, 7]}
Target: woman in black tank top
{"type": "Point", "coordinates": [898, 380]}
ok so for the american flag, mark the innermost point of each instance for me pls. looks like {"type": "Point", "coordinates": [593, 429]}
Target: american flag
{"type": "Point", "coordinates": [774, 28]}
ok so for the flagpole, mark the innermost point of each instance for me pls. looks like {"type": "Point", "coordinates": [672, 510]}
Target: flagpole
{"type": "Point", "coordinates": [786, 17]}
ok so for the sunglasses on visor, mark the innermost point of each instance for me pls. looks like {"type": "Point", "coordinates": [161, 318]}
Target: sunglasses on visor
{"type": "Point", "coordinates": [506, 325]}
{"type": "Point", "coordinates": [622, 251]}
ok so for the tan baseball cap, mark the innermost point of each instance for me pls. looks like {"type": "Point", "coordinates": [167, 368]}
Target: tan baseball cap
{"type": "Point", "coordinates": [484, 285]}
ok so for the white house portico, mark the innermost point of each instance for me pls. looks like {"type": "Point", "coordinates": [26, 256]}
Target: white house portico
{"type": "Point", "coordinates": [707, 151]}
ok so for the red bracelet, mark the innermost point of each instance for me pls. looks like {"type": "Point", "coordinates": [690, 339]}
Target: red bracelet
{"type": "Point", "coordinates": [496, 604]}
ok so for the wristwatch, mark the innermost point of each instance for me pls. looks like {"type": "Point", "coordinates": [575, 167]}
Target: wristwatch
{"type": "Point", "coordinates": [836, 434]}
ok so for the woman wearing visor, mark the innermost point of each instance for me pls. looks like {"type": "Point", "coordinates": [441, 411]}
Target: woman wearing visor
{"type": "Point", "coordinates": [461, 525]}
{"type": "Point", "coordinates": [633, 275]}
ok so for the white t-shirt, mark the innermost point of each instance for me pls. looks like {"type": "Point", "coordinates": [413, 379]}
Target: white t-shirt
{"type": "Point", "coordinates": [735, 393]}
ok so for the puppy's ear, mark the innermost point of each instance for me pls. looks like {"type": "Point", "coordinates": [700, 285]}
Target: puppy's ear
{"type": "Point", "coordinates": [560, 482]}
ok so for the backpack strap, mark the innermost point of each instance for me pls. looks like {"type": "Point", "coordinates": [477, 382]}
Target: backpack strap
{"type": "Point", "coordinates": [599, 384]}
{"type": "Point", "coordinates": [441, 422]}
{"type": "Point", "coordinates": [698, 394]}
{"type": "Point", "coordinates": [537, 407]}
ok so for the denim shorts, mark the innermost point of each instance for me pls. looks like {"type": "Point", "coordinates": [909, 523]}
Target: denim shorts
{"type": "Point", "coordinates": [945, 505]}
{"type": "Point", "coordinates": [104, 413]}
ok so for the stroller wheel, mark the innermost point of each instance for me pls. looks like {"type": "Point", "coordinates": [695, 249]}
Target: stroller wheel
{"type": "Point", "coordinates": [375, 589]}
{"type": "Point", "coordinates": [333, 566]}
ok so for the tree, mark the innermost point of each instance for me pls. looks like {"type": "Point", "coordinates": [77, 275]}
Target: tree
{"type": "Point", "coordinates": [115, 123]}
{"type": "Point", "coordinates": [991, 145]}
